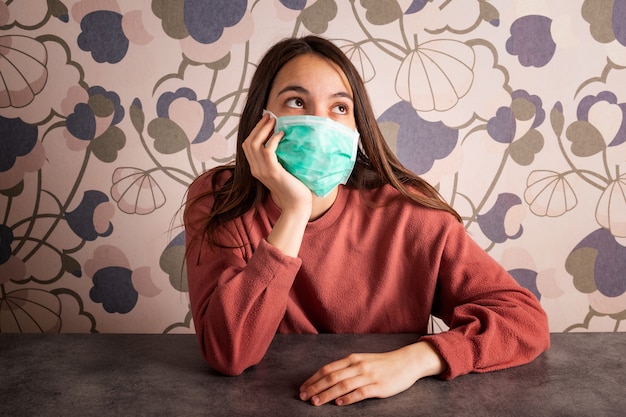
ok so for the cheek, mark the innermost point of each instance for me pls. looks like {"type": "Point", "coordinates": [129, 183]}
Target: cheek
{"type": "Point", "coordinates": [272, 105]}
{"type": "Point", "coordinates": [345, 120]}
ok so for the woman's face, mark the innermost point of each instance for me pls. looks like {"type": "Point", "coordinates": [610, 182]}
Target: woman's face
{"type": "Point", "coordinates": [312, 85]}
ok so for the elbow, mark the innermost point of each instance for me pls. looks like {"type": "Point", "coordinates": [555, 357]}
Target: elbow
{"type": "Point", "coordinates": [228, 370]}
{"type": "Point", "coordinates": [545, 333]}
{"type": "Point", "coordinates": [221, 350]}
{"type": "Point", "coordinates": [543, 327]}
{"type": "Point", "coordinates": [226, 360]}
{"type": "Point", "coordinates": [226, 367]}
{"type": "Point", "coordinates": [537, 339]}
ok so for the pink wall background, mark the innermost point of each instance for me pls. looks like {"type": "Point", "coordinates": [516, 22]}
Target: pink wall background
{"type": "Point", "coordinates": [516, 110]}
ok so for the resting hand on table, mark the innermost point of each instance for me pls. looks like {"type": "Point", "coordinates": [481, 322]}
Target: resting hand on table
{"type": "Point", "coordinates": [372, 375]}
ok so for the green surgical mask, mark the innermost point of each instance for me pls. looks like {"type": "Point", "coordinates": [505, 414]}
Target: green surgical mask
{"type": "Point", "coordinates": [316, 150]}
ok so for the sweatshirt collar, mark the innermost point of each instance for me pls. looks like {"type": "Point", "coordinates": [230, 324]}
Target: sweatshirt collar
{"type": "Point", "coordinates": [324, 221]}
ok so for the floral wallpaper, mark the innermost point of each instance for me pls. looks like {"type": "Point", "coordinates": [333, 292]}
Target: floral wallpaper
{"type": "Point", "coordinates": [514, 109]}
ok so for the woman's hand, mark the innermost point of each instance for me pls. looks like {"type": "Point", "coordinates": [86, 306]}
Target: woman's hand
{"type": "Point", "coordinates": [290, 194]}
{"type": "Point", "coordinates": [372, 375]}
{"type": "Point", "coordinates": [260, 150]}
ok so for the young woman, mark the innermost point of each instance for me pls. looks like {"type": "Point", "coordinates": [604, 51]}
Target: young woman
{"type": "Point", "coordinates": [317, 227]}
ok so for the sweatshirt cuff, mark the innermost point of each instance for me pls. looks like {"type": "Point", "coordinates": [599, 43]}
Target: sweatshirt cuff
{"type": "Point", "coordinates": [456, 352]}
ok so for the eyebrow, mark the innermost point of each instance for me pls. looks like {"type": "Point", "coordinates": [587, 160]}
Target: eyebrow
{"type": "Point", "coordinates": [302, 90]}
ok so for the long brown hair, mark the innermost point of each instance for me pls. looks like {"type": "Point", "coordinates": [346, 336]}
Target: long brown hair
{"type": "Point", "coordinates": [376, 164]}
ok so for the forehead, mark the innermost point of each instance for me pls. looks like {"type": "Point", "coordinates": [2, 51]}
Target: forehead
{"type": "Point", "coordinates": [312, 71]}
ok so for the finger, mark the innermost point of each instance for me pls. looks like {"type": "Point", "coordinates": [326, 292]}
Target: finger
{"type": "Point", "coordinates": [272, 143]}
{"type": "Point", "coordinates": [264, 162]}
{"type": "Point", "coordinates": [342, 389]}
{"type": "Point", "coordinates": [261, 132]}
{"type": "Point", "coordinates": [253, 146]}
{"type": "Point", "coordinates": [329, 376]}
{"type": "Point", "coordinates": [325, 370]}
{"type": "Point", "coordinates": [359, 394]}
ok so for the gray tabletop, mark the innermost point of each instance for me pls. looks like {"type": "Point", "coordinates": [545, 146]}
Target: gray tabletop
{"type": "Point", "coordinates": [151, 375]}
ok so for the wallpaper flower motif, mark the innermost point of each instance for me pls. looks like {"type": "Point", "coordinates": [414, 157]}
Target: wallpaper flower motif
{"type": "Point", "coordinates": [531, 40]}
{"type": "Point", "coordinates": [514, 110]}
{"type": "Point", "coordinates": [436, 75]}
{"type": "Point", "coordinates": [24, 70]}
{"type": "Point", "coordinates": [413, 137]}
{"type": "Point", "coordinates": [21, 151]}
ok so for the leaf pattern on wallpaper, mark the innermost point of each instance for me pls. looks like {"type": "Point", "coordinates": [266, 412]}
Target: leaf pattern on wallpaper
{"type": "Point", "coordinates": [183, 121]}
{"type": "Point", "coordinates": [586, 139]}
{"type": "Point", "coordinates": [109, 110]}
{"type": "Point", "coordinates": [172, 14]}
{"type": "Point", "coordinates": [486, 13]}
{"type": "Point", "coordinates": [318, 15]}
{"type": "Point", "coordinates": [502, 221]}
{"type": "Point", "coordinates": [91, 219]}
{"type": "Point", "coordinates": [489, 13]}
{"type": "Point", "coordinates": [106, 146]}
{"type": "Point", "coordinates": [607, 115]}
{"type": "Point", "coordinates": [382, 12]}
{"type": "Point", "coordinates": [71, 265]}
{"type": "Point", "coordinates": [172, 262]}
{"type": "Point", "coordinates": [509, 122]}
{"type": "Point", "coordinates": [93, 124]}
{"type": "Point", "coordinates": [593, 263]}
{"type": "Point", "coordinates": [556, 119]}
{"type": "Point", "coordinates": [137, 116]}
{"type": "Point", "coordinates": [611, 209]}
{"type": "Point", "coordinates": [168, 136]}
{"type": "Point", "coordinates": [600, 15]}
{"type": "Point", "coordinates": [524, 149]}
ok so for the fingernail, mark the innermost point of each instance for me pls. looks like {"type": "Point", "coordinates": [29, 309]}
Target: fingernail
{"type": "Point", "coordinates": [315, 400]}
{"type": "Point", "coordinates": [339, 401]}
{"type": "Point", "coordinates": [303, 396]}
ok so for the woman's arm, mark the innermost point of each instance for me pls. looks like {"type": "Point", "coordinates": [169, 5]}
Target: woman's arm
{"type": "Point", "coordinates": [372, 375]}
{"type": "Point", "coordinates": [494, 323]}
{"type": "Point", "coordinates": [291, 195]}
{"type": "Point", "coordinates": [239, 293]}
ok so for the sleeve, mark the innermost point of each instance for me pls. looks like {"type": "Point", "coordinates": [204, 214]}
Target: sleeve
{"type": "Point", "coordinates": [237, 299]}
{"type": "Point", "coordinates": [494, 323]}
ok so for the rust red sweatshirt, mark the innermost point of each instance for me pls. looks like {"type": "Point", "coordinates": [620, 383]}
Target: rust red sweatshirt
{"type": "Point", "coordinates": [373, 263]}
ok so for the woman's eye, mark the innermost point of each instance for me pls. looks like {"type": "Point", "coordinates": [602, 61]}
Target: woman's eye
{"type": "Point", "coordinates": [341, 109]}
{"type": "Point", "coordinates": [295, 103]}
